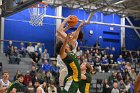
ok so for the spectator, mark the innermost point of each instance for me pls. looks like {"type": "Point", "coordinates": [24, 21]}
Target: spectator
{"type": "Point", "coordinates": [10, 49]}
{"type": "Point", "coordinates": [38, 48]}
{"type": "Point", "coordinates": [36, 78]}
{"type": "Point", "coordinates": [104, 65]}
{"type": "Point", "coordinates": [52, 88]}
{"type": "Point", "coordinates": [115, 88]}
{"type": "Point", "coordinates": [106, 87]}
{"type": "Point", "coordinates": [112, 78]}
{"type": "Point", "coordinates": [14, 57]}
{"type": "Point", "coordinates": [38, 88]}
{"type": "Point", "coordinates": [46, 66]}
{"type": "Point", "coordinates": [97, 64]}
{"type": "Point", "coordinates": [30, 50]}
{"type": "Point", "coordinates": [45, 87]}
{"type": "Point", "coordinates": [27, 78]}
{"type": "Point", "coordinates": [35, 61]}
{"type": "Point", "coordinates": [79, 52]}
{"type": "Point", "coordinates": [33, 72]}
{"type": "Point", "coordinates": [30, 88]}
{"type": "Point", "coordinates": [127, 85]}
{"type": "Point", "coordinates": [120, 60]}
{"type": "Point", "coordinates": [22, 50]}
{"type": "Point", "coordinates": [55, 71]}
{"type": "Point", "coordinates": [133, 74]}
{"type": "Point", "coordinates": [90, 59]}
{"type": "Point", "coordinates": [121, 85]}
{"type": "Point", "coordinates": [128, 66]}
{"type": "Point", "coordinates": [45, 56]}
{"type": "Point", "coordinates": [118, 76]}
{"type": "Point", "coordinates": [48, 77]}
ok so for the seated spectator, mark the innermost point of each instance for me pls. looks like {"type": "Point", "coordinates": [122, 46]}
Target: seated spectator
{"type": "Point", "coordinates": [128, 66]}
{"type": "Point", "coordinates": [106, 87]}
{"type": "Point", "coordinates": [45, 56]}
{"type": "Point", "coordinates": [97, 64]}
{"type": "Point", "coordinates": [120, 60]}
{"type": "Point", "coordinates": [10, 49]}
{"type": "Point", "coordinates": [38, 48]}
{"type": "Point", "coordinates": [27, 78]}
{"type": "Point", "coordinates": [79, 52]}
{"type": "Point", "coordinates": [90, 59]}
{"type": "Point", "coordinates": [132, 74]}
{"type": "Point", "coordinates": [118, 76]}
{"type": "Point", "coordinates": [127, 85]}
{"type": "Point", "coordinates": [55, 71]}
{"type": "Point", "coordinates": [52, 88]}
{"type": "Point", "coordinates": [48, 77]}
{"type": "Point", "coordinates": [112, 78]}
{"type": "Point", "coordinates": [115, 88]}
{"type": "Point", "coordinates": [104, 65]}
{"type": "Point", "coordinates": [46, 66]}
{"type": "Point", "coordinates": [14, 57]}
{"type": "Point", "coordinates": [35, 61]}
{"type": "Point", "coordinates": [121, 85]}
{"type": "Point", "coordinates": [22, 50]}
{"type": "Point", "coordinates": [33, 72]}
{"type": "Point", "coordinates": [36, 78]}
{"type": "Point", "coordinates": [44, 87]}
{"type": "Point", "coordinates": [127, 55]}
{"type": "Point", "coordinates": [30, 88]}
{"type": "Point", "coordinates": [111, 61]}
{"type": "Point", "coordinates": [30, 49]}
{"type": "Point", "coordinates": [38, 88]}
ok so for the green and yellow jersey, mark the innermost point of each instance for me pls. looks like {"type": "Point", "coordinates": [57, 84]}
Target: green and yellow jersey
{"type": "Point", "coordinates": [84, 85]}
{"type": "Point", "coordinates": [17, 85]}
{"type": "Point", "coordinates": [73, 66]}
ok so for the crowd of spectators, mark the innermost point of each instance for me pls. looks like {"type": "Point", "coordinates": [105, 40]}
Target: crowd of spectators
{"type": "Point", "coordinates": [43, 73]}
{"type": "Point", "coordinates": [122, 68]}
{"type": "Point", "coordinates": [47, 72]}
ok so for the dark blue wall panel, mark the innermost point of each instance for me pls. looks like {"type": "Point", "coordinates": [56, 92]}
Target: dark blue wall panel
{"type": "Point", "coordinates": [132, 41]}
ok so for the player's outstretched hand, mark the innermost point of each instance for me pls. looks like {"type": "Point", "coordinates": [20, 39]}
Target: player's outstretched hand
{"type": "Point", "coordinates": [82, 24]}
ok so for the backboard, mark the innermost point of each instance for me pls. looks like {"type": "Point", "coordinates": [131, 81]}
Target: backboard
{"type": "Point", "coordinates": [10, 7]}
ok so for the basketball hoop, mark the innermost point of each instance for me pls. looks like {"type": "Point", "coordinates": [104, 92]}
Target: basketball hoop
{"type": "Point", "coordinates": [37, 13]}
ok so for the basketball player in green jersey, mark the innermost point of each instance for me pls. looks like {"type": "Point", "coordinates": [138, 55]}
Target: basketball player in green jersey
{"type": "Point", "coordinates": [84, 83]}
{"type": "Point", "coordinates": [69, 58]}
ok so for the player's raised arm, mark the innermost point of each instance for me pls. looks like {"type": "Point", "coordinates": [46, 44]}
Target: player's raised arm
{"type": "Point", "coordinates": [137, 84]}
{"type": "Point", "coordinates": [65, 45]}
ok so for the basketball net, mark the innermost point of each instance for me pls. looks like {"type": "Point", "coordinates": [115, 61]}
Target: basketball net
{"type": "Point", "coordinates": [37, 13]}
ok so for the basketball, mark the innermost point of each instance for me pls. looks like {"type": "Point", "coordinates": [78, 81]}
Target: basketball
{"type": "Point", "coordinates": [73, 21]}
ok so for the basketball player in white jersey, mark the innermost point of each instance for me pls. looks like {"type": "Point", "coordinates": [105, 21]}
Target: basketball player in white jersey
{"type": "Point", "coordinates": [4, 82]}
{"type": "Point", "coordinates": [61, 36]}
{"type": "Point", "coordinates": [39, 89]}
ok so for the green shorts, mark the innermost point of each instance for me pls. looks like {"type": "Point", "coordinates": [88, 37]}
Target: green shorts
{"type": "Point", "coordinates": [70, 86]}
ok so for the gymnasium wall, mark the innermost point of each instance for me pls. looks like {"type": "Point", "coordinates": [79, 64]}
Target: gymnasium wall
{"type": "Point", "coordinates": [17, 27]}
{"type": "Point", "coordinates": [110, 38]}
{"type": "Point", "coordinates": [132, 41]}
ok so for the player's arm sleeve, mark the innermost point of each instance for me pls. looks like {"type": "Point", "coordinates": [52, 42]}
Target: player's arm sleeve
{"type": "Point", "coordinates": [88, 77]}
{"type": "Point", "coordinates": [10, 88]}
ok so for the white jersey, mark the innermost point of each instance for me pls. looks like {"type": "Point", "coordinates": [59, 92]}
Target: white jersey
{"type": "Point", "coordinates": [4, 84]}
{"type": "Point", "coordinates": [41, 89]}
